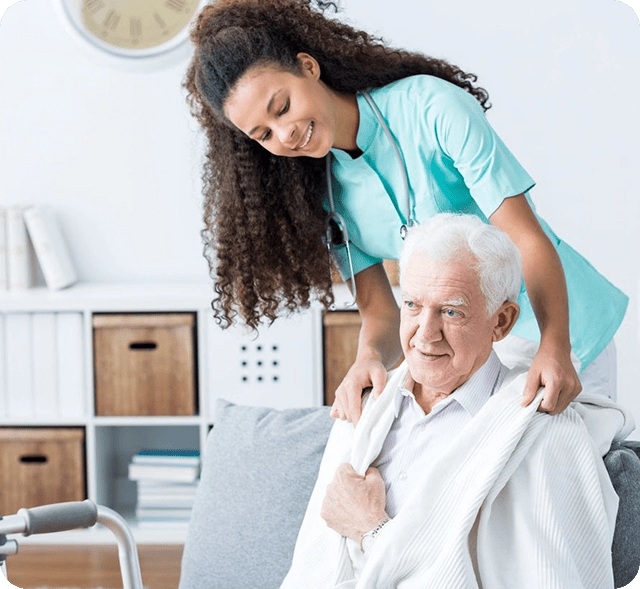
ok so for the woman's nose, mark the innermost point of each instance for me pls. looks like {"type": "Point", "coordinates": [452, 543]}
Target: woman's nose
{"type": "Point", "coordinates": [286, 134]}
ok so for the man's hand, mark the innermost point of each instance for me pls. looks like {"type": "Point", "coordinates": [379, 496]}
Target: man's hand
{"type": "Point", "coordinates": [554, 371]}
{"type": "Point", "coordinates": [362, 374]}
{"type": "Point", "coordinates": [354, 504]}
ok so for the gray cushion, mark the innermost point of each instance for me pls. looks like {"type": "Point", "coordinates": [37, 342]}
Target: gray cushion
{"type": "Point", "coordinates": [623, 464]}
{"type": "Point", "coordinates": [259, 469]}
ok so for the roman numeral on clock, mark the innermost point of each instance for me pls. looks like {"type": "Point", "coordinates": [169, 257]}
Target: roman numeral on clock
{"type": "Point", "coordinates": [135, 27]}
{"type": "Point", "coordinates": [93, 5]}
{"type": "Point", "coordinates": [177, 5]}
{"type": "Point", "coordinates": [159, 20]}
{"type": "Point", "coordinates": [111, 20]}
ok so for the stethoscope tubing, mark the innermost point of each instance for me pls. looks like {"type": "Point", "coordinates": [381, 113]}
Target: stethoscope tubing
{"type": "Point", "coordinates": [405, 175]}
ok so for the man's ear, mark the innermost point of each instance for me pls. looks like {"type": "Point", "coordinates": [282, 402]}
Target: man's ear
{"type": "Point", "coordinates": [505, 318]}
{"type": "Point", "coordinates": [309, 65]}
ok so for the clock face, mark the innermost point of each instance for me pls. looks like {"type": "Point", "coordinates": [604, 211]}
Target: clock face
{"type": "Point", "coordinates": [133, 27]}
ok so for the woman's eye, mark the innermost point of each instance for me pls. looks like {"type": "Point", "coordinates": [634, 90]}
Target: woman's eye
{"type": "Point", "coordinates": [265, 136]}
{"type": "Point", "coordinates": [284, 109]}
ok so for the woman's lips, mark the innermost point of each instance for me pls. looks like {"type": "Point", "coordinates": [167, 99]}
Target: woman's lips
{"type": "Point", "coordinates": [307, 138]}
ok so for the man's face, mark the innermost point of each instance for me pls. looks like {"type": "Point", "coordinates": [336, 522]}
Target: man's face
{"type": "Point", "coordinates": [444, 329]}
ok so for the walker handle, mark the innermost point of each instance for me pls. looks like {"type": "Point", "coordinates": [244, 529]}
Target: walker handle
{"type": "Point", "coordinates": [59, 517]}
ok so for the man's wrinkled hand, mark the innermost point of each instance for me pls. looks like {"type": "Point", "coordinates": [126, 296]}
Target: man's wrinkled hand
{"type": "Point", "coordinates": [354, 504]}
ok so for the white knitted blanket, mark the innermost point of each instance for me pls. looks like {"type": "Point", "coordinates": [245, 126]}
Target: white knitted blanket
{"type": "Point", "coordinates": [520, 499]}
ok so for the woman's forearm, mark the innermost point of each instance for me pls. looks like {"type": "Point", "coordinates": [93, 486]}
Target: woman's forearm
{"type": "Point", "coordinates": [552, 367]}
{"type": "Point", "coordinates": [379, 337]}
{"type": "Point", "coordinates": [547, 290]}
{"type": "Point", "coordinates": [543, 274]}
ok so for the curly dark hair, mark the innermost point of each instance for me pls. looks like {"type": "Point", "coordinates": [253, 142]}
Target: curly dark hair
{"type": "Point", "coordinates": [263, 216]}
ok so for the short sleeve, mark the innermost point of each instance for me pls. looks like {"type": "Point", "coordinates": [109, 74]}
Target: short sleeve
{"type": "Point", "coordinates": [489, 169]}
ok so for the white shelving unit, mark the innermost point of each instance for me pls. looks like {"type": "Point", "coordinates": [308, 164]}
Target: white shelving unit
{"type": "Point", "coordinates": [281, 367]}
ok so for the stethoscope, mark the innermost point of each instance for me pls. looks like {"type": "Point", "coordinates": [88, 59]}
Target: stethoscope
{"type": "Point", "coordinates": [404, 227]}
{"type": "Point", "coordinates": [336, 234]}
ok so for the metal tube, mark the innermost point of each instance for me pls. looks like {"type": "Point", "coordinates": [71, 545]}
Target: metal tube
{"type": "Point", "coordinates": [127, 550]}
{"type": "Point", "coordinates": [13, 524]}
{"type": "Point", "coordinates": [9, 547]}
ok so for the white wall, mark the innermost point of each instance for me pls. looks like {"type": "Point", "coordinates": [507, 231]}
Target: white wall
{"type": "Point", "coordinates": [117, 155]}
{"type": "Point", "coordinates": [112, 149]}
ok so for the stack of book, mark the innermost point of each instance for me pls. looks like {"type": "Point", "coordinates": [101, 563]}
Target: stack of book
{"type": "Point", "coordinates": [167, 482]}
{"type": "Point", "coordinates": [30, 238]}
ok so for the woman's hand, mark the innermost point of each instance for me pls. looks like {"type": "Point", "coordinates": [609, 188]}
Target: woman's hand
{"type": "Point", "coordinates": [553, 370]}
{"type": "Point", "coordinates": [362, 374]}
{"type": "Point", "coordinates": [378, 343]}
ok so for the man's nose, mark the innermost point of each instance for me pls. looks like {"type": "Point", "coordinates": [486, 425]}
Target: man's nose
{"type": "Point", "coordinates": [429, 327]}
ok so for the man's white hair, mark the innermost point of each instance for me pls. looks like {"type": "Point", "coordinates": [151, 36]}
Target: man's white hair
{"type": "Point", "coordinates": [495, 258]}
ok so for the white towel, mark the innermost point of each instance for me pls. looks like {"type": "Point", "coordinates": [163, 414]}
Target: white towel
{"type": "Point", "coordinates": [520, 499]}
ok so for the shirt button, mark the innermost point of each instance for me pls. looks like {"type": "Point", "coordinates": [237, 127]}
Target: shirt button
{"type": "Point", "coordinates": [403, 476]}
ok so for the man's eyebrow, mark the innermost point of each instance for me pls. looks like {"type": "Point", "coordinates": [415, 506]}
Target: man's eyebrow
{"type": "Point", "coordinates": [269, 107]}
{"type": "Point", "coordinates": [456, 302]}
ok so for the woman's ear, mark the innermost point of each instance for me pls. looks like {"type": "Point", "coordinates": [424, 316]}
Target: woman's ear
{"type": "Point", "coordinates": [309, 65]}
{"type": "Point", "coordinates": [505, 318]}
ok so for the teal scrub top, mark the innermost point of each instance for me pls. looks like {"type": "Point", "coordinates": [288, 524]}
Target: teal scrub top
{"type": "Point", "coordinates": [455, 163]}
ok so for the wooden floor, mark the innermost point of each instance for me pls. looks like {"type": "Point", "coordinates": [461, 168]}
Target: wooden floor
{"type": "Point", "coordinates": [88, 567]}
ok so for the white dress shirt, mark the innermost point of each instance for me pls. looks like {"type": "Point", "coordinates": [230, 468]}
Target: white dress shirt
{"type": "Point", "coordinates": [415, 438]}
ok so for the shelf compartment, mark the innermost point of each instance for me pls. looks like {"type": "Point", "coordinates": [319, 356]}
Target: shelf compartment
{"type": "Point", "coordinates": [115, 447]}
{"type": "Point", "coordinates": [144, 364]}
{"type": "Point", "coordinates": [40, 466]}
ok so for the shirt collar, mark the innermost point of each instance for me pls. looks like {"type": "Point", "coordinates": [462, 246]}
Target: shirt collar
{"type": "Point", "coordinates": [368, 123]}
{"type": "Point", "coordinates": [368, 126]}
{"type": "Point", "coordinates": [472, 394]}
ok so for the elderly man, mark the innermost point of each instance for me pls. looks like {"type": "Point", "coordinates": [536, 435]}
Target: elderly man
{"type": "Point", "coordinates": [447, 481]}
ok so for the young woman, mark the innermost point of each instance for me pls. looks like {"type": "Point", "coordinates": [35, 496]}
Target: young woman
{"type": "Point", "coordinates": [281, 91]}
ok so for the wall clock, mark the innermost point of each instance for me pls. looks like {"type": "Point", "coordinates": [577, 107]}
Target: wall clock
{"type": "Point", "coordinates": [132, 28]}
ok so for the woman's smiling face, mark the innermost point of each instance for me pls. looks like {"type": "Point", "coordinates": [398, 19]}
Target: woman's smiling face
{"type": "Point", "coordinates": [290, 114]}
